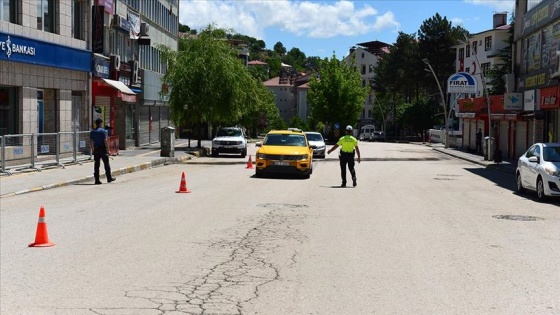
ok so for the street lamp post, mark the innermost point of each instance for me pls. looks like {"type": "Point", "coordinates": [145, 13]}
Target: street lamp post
{"type": "Point", "coordinates": [446, 141]}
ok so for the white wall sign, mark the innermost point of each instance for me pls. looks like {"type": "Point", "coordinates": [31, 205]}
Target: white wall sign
{"type": "Point", "coordinates": [461, 82]}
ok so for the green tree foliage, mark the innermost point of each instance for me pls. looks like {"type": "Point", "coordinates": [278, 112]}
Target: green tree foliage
{"type": "Point", "coordinates": [259, 72]}
{"type": "Point", "coordinates": [208, 82]}
{"type": "Point", "coordinates": [436, 38]}
{"type": "Point", "coordinates": [419, 116]}
{"type": "Point", "coordinates": [398, 71]}
{"type": "Point", "coordinates": [336, 95]}
{"type": "Point", "coordinates": [296, 58]}
{"type": "Point", "coordinates": [279, 48]}
{"type": "Point", "coordinates": [296, 122]}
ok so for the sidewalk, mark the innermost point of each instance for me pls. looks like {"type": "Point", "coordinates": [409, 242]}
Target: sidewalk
{"type": "Point", "coordinates": [507, 166]}
{"type": "Point", "coordinates": [127, 161]}
{"type": "Point", "coordinates": [143, 158]}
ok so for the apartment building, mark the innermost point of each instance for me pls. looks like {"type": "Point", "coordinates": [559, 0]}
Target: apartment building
{"type": "Point", "coordinates": [365, 57]}
{"type": "Point", "coordinates": [45, 61]}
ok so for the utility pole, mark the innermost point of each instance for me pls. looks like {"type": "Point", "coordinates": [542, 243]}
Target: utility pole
{"type": "Point", "coordinates": [446, 140]}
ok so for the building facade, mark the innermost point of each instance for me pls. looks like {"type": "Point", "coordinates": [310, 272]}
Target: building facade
{"type": "Point", "coordinates": [537, 67]}
{"type": "Point", "coordinates": [45, 61]}
{"type": "Point", "coordinates": [529, 111]}
{"type": "Point", "coordinates": [365, 57]}
{"type": "Point", "coordinates": [126, 92]}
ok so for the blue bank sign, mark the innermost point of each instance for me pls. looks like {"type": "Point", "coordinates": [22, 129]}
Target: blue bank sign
{"type": "Point", "coordinates": [462, 82]}
{"type": "Point", "coordinates": [21, 49]}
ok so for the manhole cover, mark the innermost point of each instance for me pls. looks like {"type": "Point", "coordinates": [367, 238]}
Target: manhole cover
{"type": "Point", "coordinates": [517, 217]}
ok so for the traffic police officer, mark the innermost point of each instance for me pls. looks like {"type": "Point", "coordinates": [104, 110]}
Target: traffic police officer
{"type": "Point", "coordinates": [348, 145]}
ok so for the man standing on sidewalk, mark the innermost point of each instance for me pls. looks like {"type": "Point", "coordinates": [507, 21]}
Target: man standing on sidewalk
{"type": "Point", "coordinates": [348, 145]}
{"type": "Point", "coordinates": [479, 141]}
{"type": "Point", "coordinates": [98, 144]}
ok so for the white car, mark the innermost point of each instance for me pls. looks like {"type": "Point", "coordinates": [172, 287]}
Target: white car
{"type": "Point", "coordinates": [229, 140]}
{"type": "Point", "coordinates": [538, 169]}
{"type": "Point", "coordinates": [317, 143]}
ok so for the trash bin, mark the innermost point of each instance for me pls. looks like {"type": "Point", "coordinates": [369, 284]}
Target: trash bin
{"type": "Point", "coordinates": [167, 141]}
{"type": "Point", "coordinates": [488, 148]}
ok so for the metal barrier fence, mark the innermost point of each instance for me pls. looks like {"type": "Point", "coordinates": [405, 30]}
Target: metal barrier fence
{"type": "Point", "coordinates": [41, 150]}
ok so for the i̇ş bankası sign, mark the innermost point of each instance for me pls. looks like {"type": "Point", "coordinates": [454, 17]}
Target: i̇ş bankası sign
{"type": "Point", "coordinates": [462, 82]}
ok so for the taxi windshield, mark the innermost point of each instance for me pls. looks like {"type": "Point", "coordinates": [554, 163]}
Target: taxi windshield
{"type": "Point", "coordinates": [285, 140]}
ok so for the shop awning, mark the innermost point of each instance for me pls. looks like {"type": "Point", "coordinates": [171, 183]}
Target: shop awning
{"type": "Point", "coordinates": [107, 87]}
{"type": "Point", "coordinates": [119, 86]}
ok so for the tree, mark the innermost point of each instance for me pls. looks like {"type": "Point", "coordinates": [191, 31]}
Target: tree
{"type": "Point", "coordinates": [336, 95]}
{"type": "Point", "coordinates": [436, 39]}
{"type": "Point", "coordinates": [264, 115]}
{"type": "Point", "coordinates": [279, 49]}
{"type": "Point", "coordinates": [207, 81]}
{"type": "Point", "coordinates": [296, 58]}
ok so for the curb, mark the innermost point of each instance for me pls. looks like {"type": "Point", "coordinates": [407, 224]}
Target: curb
{"type": "Point", "coordinates": [496, 167]}
{"type": "Point", "coordinates": [125, 170]}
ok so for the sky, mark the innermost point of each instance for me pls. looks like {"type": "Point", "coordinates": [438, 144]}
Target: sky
{"type": "Point", "coordinates": [324, 28]}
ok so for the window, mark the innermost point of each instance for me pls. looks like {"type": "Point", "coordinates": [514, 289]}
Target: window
{"type": "Point", "coordinates": [370, 68]}
{"type": "Point", "coordinates": [78, 9]}
{"type": "Point", "coordinates": [461, 53]}
{"type": "Point", "coordinates": [363, 69]}
{"type": "Point", "coordinates": [474, 47]}
{"type": "Point", "coordinates": [363, 55]}
{"type": "Point", "coordinates": [468, 70]}
{"type": "Point", "coordinates": [468, 50]}
{"type": "Point", "coordinates": [369, 114]}
{"type": "Point", "coordinates": [485, 67]}
{"type": "Point", "coordinates": [45, 15]}
{"type": "Point", "coordinates": [488, 43]}
{"type": "Point", "coordinates": [9, 11]}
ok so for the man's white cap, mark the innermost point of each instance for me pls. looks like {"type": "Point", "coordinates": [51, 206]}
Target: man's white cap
{"type": "Point", "coordinates": [348, 127]}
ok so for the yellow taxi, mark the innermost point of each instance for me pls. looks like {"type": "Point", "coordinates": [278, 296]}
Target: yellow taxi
{"type": "Point", "coordinates": [284, 152]}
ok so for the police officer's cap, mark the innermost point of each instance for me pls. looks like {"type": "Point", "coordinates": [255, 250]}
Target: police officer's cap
{"type": "Point", "coordinates": [349, 128]}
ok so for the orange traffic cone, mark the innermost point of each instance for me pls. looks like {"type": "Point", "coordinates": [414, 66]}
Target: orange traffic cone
{"type": "Point", "coordinates": [183, 187]}
{"type": "Point", "coordinates": [249, 162]}
{"type": "Point", "coordinates": [42, 236]}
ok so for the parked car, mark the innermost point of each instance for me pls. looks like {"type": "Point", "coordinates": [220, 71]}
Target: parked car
{"type": "Point", "coordinates": [284, 152]}
{"type": "Point", "coordinates": [538, 169]}
{"type": "Point", "coordinates": [317, 143]}
{"type": "Point", "coordinates": [230, 140]}
{"type": "Point", "coordinates": [377, 135]}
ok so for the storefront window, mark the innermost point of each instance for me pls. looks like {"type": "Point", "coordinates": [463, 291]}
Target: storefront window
{"type": "Point", "coordinates": [8, 110]}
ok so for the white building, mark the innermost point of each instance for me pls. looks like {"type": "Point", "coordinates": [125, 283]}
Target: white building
{"type": "Point", "coordinates": [486, 46]}
{"type": "Point", "coordinates": [365, 57]}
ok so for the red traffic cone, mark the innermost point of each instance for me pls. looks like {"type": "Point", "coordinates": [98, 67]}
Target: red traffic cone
{"type": "Point", "coordinates": [41, 236]}
{"type": "Point", "coordinates": [183, 187]}
{"type": "Point", "coordinates": [249, 162]}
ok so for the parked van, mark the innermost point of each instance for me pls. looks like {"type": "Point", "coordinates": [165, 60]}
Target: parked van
{"type": "Point", "coordinates": [369, 133]}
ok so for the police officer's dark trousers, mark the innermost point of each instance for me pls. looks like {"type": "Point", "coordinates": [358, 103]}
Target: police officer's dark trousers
{"type": "Point", "coordinates": [100, 153]}
{"type": "Point", "coordinates": [346, 158]}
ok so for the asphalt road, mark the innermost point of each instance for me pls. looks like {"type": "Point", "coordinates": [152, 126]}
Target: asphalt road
{"type": "Point", "coordinates": [422, 233]}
